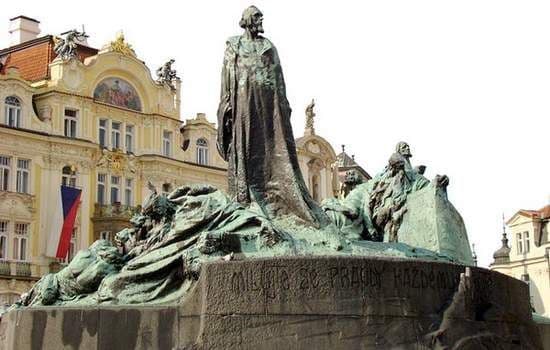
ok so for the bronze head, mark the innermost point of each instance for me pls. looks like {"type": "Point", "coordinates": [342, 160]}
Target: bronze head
{"type": "Point", "coordinates": [251, 20]}
{"type": "Point", "coordinates": [403, 149]}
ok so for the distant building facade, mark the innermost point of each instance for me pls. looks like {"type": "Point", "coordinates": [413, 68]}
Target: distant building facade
{"type": "Point", "coordinates": [525, 254]}
{"type": "Point", "coordinates": [99, 122]}
{"type": "Point", "coordinates": [317, 161]}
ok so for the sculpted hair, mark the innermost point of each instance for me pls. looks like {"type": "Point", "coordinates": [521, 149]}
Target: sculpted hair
{"type": "Point", "coordinates": [399, 145]}
{"type": "Point", "coordinates": [246, 19]}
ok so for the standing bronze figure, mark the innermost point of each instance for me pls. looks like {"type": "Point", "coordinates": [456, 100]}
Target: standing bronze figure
{"type": "Point", "coordinates": [254, 131]}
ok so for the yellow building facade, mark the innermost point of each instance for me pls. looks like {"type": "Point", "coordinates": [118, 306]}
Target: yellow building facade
{"type": "Point", "coordinates": [99, 122]}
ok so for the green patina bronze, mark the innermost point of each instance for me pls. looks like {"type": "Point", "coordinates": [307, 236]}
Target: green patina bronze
{"type": "Point", "coordinates": [268, 211]}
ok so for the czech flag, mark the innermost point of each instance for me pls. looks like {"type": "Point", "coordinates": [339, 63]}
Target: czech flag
{"type": "Point", "coordinates": [62, 222]}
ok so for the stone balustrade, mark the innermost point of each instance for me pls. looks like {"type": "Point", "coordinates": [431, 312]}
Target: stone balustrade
{"type": "Point", "coordinates": [114, 210]}
{"type": "Point", "coordinates": [15, 268]}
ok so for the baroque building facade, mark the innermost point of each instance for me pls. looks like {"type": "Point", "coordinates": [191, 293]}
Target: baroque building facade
{"type": "Point", "coordinates": [525, 254]}
{"type": "Point", "coordinates": [99, 122]}
{"type": "Point", "coordinates": [317, 162]}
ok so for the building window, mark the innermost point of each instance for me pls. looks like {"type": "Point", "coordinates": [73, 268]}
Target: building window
{"type": "Point", "coordinates": [166, 188]}
{"type": "Point", "coordinates": [72, 246]}
{"type": "Point", "coordinates": [5, 173]}
{"type": "Point", "coordinates": [115, 135]}
{"type": "Point", "coordinates": [103, 133]}
{"type": "Point", "coordinates": [23, 171]}
{"type": "Point", "coordinates": [20, 241]}
{"type": "Point", "coordinates": [115, 189]}
{"type": "Point", "coordinates": [523, 242]}
{"type": "Point", "coordinates": [68, 177]}
{"type": "Point", "coordinates": [70, 122]}
{"type": "Point", "coordinates": [13, 111]}
{"type": "Point", "coordinates": [129, 138]}
{"type": "Point", "coordinates": [3, 240]}
{"type": "Point", "coordinates": [166, 143]}
{"type": "Point", "coordinates": [128, 197]}
{"type": "Point", "coordinates": [101, 186]}
{"type": "Point", "coordinates": [106, 235]}
{"type": "Point", "coordinates": [202, 151]}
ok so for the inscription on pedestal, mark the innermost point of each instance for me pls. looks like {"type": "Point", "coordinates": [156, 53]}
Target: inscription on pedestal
{"type": "Point", "coordinates": [272, 280]}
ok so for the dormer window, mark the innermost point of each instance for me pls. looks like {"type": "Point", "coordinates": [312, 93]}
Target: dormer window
{"type": "Point", "coordinates": [12, 111]}
{"type": "Point", "coordinates": [202, 151]}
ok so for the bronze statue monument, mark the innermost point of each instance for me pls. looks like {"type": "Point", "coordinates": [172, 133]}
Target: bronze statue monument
{"type": "Point", "coordinates": [255, 135]}
{"type": "Point", "coordinates": [264, 267]}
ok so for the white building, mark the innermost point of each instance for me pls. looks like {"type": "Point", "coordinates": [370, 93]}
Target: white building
{"type": "Point", "coordinates": [527, 256]}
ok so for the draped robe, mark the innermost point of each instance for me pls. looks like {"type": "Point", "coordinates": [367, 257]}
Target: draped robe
{"type": "Point", "coordinates": [255, 134]}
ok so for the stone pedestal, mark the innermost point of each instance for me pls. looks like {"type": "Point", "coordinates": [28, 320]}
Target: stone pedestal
{"type": "Point", "coordinates": [302, 303]}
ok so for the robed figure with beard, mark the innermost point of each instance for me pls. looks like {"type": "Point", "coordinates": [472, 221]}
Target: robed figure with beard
{"type": "Point", "coordinates": [254, 131]}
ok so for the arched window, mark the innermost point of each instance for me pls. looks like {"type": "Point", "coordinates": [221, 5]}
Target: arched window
{"type": "Point", "coordinates": [314, 173]}
{"type": "Point", "coordinates": [13, 111]}
{"type": "Point", "coordinates": [202, 151]}
{"type": "Point", "coordinates": [68, 177]}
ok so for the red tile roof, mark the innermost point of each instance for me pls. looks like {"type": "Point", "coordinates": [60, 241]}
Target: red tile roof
{"type": "Point", "coordinates": [32, 57]}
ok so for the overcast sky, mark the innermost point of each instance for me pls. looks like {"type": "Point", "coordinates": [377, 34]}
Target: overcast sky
{"type": "Point", "coordinates": [466, 83]}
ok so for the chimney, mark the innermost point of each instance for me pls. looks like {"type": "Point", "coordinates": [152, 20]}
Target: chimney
{"type": "Point", "coordinates": [23, 29]}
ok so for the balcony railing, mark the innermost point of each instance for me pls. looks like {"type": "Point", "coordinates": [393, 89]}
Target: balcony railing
{"type": "Point", "coordinates": [15, 268]}
{"type": "Point", "coordinates": [114, 210]}
{"type": "Point", "coordinates": [5, 268]}
{"type": "Point", "coordinates": [22, 269]}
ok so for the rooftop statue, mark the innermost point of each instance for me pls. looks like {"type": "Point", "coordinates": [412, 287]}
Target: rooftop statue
{"type": "Point", "coordinates": [166, 75]}
{"type": "Point", "coordinates": [121, 46]}
{"type": "Point", "coordinates": [65, 48]}
{"type": "Point", "coordinates": [310, 117]}
{"type": "Point", "coordinates": [268, 211]}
